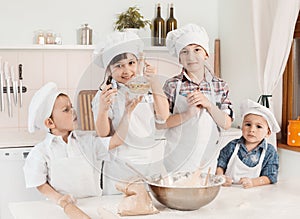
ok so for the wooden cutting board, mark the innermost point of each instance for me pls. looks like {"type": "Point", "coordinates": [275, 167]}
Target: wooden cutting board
{"type": "Point", "coordinates": [85, 109]}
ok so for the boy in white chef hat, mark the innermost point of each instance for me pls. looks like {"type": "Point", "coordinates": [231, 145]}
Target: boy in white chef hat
{"type": "Point", "coordinates": [250, 160]}
{"type": "Point", "coordinates": [198, 101]}
{"type": "Point", "coordinates": [118, 55]}
{"type": "Point", "coordinates": [66, 163]}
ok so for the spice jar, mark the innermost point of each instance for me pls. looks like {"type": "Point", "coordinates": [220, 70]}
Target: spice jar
{"type": "Point", "coordinates": [58, 39]}
{"type": "Point", "coordinates": [293, 138]}
{"type": "Point", "coordinates": [85, 35]}
{"type": "Point", "coordinates": [50, 38]}
{"type": "Point", "coordinates": [40, 38]}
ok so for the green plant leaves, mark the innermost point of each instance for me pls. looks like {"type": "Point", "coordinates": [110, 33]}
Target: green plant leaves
{"type": "Point", "coordinates": [131, 18]}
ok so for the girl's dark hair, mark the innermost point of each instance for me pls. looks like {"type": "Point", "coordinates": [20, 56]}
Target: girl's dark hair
{"type": "Point", "coordinates": [116, 59]}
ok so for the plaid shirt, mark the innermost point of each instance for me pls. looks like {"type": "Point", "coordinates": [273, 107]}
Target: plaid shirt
{"type": "Point", "coordinates": [270, 163]}
{"type": "Point", "coordinates": [220, 88]}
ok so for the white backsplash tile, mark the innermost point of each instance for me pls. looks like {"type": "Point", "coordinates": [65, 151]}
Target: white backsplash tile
{"type": "Point", "coordinates": [55, 68]}
{"type": "Point", "coordinates": [23, 111]}
{"type": "Point", "coordinates": [11, 56]}
{"type": "Point", "coordinates": [78, 63]}
{"type": "Point", "coordinates": [6, 121]}
{"type": "Point", "coordinates": [97, 77]}
{"type": "Point", "coordinates": [32, 62]}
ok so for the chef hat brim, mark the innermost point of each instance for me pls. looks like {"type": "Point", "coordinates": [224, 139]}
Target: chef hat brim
{"type": "Point", "coordinates": [41, 106]}
{"type": "Point", "coordinates": [118, 43]}
{"type": "Point", "coordinates": [252, 107]}
{"type": "Point", "coordinates": [189, 34]}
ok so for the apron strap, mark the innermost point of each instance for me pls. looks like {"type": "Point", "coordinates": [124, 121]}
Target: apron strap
{"type": "Point", "coordinates": [209, 76]}
{"type": "Point", "coordinates": [263, 153]}
{"type": "Point", "coordinates": [178, 89]}
{"type": "Point", "coordinates": [101, 175]}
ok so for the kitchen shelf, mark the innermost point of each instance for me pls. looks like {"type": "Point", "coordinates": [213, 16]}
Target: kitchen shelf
{"type": "Point", "coordinates": [287, 147]}
{"type": "Point", "coordinates": [47, 47]}
{"type": "Point", "coordinates": [68, 47]}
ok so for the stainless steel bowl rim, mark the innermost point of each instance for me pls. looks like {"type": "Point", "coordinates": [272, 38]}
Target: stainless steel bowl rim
{"type": "Point", "coordinates": [221, 180]}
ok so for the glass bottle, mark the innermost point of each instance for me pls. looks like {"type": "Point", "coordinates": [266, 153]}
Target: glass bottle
{"type": "Point", "coordinates": [50, 38]}
{"type": "Point", "coordinates": [40, 37]}
{"type": "Point", "coordinates": [171, 22]}
{"type": "Point", "coordinates": [58, 39]}
{"type": "Point", "coordinates": [159, 33]}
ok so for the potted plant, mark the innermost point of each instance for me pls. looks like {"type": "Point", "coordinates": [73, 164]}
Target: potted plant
{"type": "Point", "coordinates": [131, 18]}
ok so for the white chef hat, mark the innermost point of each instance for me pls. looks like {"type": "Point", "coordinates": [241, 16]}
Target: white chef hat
{"type": "Point", "coordinates": [117, 43]}
{"type": "Point", "coordinates": [41, 106]}
{"type": "Point", "coordinates": [252, 107]}
{"type": "Point", "coordinates": [189, 34]}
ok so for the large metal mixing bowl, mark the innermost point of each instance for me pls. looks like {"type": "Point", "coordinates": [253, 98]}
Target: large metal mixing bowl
{"type": "Point", "coordinates": [185, 197]}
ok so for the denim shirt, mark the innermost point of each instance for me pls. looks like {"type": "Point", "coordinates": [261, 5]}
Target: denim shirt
{"type": "Point", "coordinates": [270, 163]}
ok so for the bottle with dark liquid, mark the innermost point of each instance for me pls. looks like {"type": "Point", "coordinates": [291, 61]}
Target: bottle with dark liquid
{"type": "Point", "coordinates": [159, 33]}
{"type": "Point", "coordinates": [171, 22]}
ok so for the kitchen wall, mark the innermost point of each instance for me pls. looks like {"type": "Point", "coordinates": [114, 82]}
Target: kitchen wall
{"type": "Point", "coordinates": [238, 64]}
{"type": "Point", "coordinates": [228, 20]}
{"type": "Point", "coordinates": [74, 68]}
{"type": "Point", "coordinates": [20, 19]}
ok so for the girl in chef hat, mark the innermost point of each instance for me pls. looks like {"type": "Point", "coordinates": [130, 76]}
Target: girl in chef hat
{"type": "Point", "coordinates": [198, 101]}
{"type": "Point", "coordinates": [66, 163]}
{"type": "Point", "coordinates": [119, 57]}
{"type": "Point", "coordinates": [250, 160]}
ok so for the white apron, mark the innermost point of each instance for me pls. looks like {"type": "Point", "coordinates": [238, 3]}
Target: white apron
{"type": "Point", "coordinates": [140, 149]}
{"type": "Point", "coordinates": [75, 176]}
{"type": "Point", "coordinates": [236, 169]}
{"type": "Point", "coordinates": [194, 143]}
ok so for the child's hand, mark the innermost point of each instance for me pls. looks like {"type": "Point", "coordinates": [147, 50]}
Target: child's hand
{"type": "Point", "coordinates": [246, 182]}
{"type": "Point", "coordinates": [228, 181]}
{"type": "Point", "coordinates": [150, 72]}
{"type": "Point", "coordinates": [106, 98]}
{"type": "Point", "coordinates": [130, 104]}
{"type": "Point", "coordinates": [198, 99]}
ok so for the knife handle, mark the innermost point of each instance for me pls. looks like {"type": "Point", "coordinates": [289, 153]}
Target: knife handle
{"type": "Point", "coordinates": [20, 72]}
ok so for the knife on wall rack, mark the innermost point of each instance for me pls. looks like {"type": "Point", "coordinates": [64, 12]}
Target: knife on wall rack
{"type": "Point", "coordinates": [1, 86]}
{"type": "Point", "coordinates": [7, 78]}
{"type": "Point", "coordinates": [14, 85]}
{"type": "Point", "coordinates": [21, 83]}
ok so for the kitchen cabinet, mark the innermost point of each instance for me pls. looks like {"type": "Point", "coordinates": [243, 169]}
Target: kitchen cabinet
{"type": "Point", "coordinates": [14, 148]}
{"type": "Point", "coordinates": [64, 65]}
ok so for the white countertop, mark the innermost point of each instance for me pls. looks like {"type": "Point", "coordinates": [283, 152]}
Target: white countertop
{"type": "Point", "coordinates": [15, 138]}
{"type": "Point", "coordinates": [271, 201]}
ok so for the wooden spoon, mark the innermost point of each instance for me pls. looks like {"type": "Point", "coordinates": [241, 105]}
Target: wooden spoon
{"type": "Point", "coordinates": [207, 176]}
